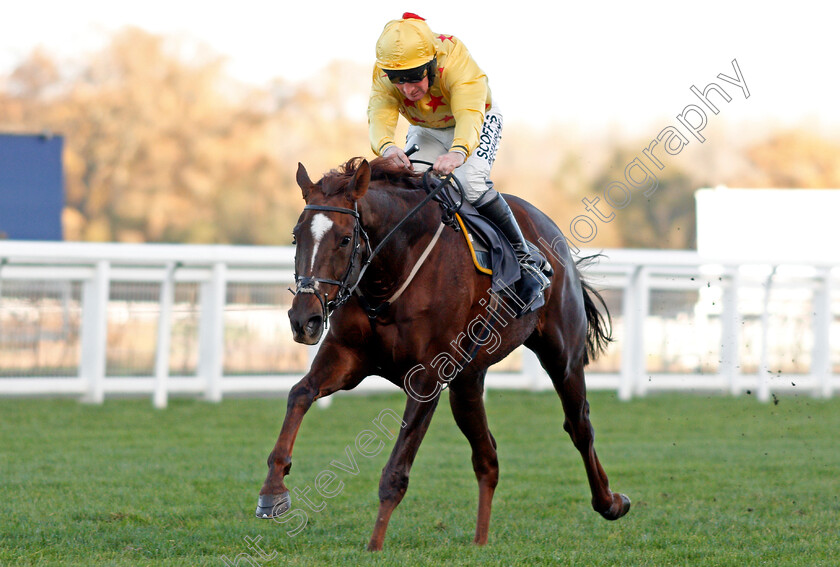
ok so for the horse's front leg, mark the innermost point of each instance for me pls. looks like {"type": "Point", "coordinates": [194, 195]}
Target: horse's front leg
{"type": "Point", "coordinates": [394, 482]}
{"type": "Point", "coordinates": [335, 367]}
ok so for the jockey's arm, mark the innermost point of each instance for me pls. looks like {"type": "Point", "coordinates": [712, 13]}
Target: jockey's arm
{"type": "Point", "coordinates": [383, 113]}
{"type": "Point", "coordinates": [468, 94]}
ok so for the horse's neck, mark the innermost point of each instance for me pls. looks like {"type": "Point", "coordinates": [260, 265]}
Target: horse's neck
{"type": "Point", "coordinates": [381, 211]}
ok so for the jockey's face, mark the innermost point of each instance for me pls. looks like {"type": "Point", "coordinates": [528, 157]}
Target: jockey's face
{"type": "Point", "coordinates": [414, 91]}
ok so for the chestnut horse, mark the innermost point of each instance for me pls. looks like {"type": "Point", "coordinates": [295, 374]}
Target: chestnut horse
{"type": "Point", "coordinates": [355, 251]}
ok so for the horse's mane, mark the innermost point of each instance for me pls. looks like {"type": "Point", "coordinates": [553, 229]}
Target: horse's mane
{"type": "Point", "coordinates": [381, 169]}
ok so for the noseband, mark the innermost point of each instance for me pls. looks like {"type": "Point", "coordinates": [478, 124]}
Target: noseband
{"type": "Point", "coordinates": [306, 284]}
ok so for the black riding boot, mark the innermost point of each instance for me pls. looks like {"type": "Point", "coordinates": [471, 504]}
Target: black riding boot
{"type": "Point", "coordinates": [532, 282]}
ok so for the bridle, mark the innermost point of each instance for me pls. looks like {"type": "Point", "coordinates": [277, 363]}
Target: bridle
{"type": "Point", "coordinates": [306, 284]}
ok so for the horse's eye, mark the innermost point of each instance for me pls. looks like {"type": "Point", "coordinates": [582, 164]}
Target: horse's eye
{"type": "Point", "coordinates": [345, 241]}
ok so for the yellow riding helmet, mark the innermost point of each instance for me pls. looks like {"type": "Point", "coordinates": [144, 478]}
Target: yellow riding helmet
{"type": "Point", "coordinates": [405, 44]}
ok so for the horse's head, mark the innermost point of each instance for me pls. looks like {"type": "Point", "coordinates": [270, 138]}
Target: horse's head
{"type": "Point", "coordinates": [329, 244]}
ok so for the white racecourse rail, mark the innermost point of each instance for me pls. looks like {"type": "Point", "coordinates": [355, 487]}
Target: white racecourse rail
{"type": "Point", "coordinates": [682, 321]}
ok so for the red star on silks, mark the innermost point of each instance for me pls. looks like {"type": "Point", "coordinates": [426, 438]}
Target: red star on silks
{"type": "Point", "coordinates": [408, 102]}
{"type": "Point", "coordinates": [445, 37]}
{"type": "Point", "coordinates": [447, 118]}
{"type": "Point", "coordinates": [418, 120]}
{"type": "Point", "coordinates": [440, 70]}
{"type": "Point", "coordinates": [435, 102]}
{"type": "Point", "coordinates": [486, 106]}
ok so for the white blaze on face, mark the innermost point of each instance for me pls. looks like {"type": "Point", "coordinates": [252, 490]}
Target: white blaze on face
{"type": "Point", "coordinates": [321, 224]}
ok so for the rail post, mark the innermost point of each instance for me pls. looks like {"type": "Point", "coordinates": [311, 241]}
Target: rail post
{"type": "Point", "coordinates": [160, 397]}
{"type": "Point", "coordinates": [94, 333]}
{"type": "Point", "coordinates": [212, 332]}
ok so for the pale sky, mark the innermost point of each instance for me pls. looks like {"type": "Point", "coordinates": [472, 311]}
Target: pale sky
{"type": "Point", "coordinates": [627, 65]}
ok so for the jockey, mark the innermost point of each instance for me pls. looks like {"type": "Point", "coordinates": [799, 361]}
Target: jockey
{"type": "Point", "coordinates": [433, 81]}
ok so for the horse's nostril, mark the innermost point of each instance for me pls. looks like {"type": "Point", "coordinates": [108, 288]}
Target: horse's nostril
{"type": "Point", "coordinates": [314, 324]}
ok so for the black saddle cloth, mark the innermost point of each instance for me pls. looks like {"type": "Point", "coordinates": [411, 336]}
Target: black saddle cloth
{"type": "Point", "coordinates": [502, 258]}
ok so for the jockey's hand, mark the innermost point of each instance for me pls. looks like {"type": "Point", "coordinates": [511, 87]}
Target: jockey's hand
{"type": "Point", "coordinates": [446, 164]}
{"type": "Point", "coordinates": [397, 156]}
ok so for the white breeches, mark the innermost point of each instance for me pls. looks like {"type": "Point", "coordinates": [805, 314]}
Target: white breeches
{"type": "Point", "coordinates": [474, 175]}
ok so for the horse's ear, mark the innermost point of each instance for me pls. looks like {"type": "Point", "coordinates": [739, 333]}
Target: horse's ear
{"type": "Point", "coordinates": [358, 186]}
{"type": "Point", "coordinates": [303, 181]}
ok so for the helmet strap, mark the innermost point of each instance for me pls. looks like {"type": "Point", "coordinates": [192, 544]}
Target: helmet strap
{"type": "Point", "coordinates": [431, 68]}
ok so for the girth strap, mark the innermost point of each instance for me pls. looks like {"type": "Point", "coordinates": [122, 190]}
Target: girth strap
{"type": "Point", "coordinates": [418, 264]}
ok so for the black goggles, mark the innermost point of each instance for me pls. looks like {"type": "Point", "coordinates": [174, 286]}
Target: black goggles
{"type": "Point", "coordinates": [409, 75]}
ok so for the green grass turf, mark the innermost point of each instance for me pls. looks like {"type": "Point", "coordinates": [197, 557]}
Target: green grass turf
{"type": "Point", "coordinates": [714, 481]}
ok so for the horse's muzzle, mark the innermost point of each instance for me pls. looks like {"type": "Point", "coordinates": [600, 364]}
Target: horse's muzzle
{"type": "Point", "coordinates": [307, 319]}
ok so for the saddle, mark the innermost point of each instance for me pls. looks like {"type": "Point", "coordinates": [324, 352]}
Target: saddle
{"type": "Point", "coordinates": [490, 250]}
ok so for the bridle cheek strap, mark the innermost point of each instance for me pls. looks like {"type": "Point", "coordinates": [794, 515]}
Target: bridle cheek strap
{"type": "Point", "coordinates": [307, 284]}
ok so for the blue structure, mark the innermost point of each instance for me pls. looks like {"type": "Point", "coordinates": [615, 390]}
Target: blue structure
{"type": "Point", "coordinates": [31, 187]}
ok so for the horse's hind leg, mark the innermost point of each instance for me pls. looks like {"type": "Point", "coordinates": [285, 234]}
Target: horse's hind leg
{"type": "Point", "coordinates": [465, 398]}
{"type": "Point", "coordinates": [569, 383]}
{"type": "Point", "coordinates": [572, 392]}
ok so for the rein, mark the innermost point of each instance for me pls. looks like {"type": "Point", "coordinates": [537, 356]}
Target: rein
{"type": "Point", "coordinates": [306, 284]}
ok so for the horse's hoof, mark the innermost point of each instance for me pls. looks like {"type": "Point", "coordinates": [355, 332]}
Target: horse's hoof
{"type": "Point", "coordinates": [273, 505]}
{"type": "Point", "coordinates": [620, 506]}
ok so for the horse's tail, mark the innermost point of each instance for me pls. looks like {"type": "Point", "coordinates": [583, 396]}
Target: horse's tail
{"type": "Point", "coordinates": [599, 328]}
